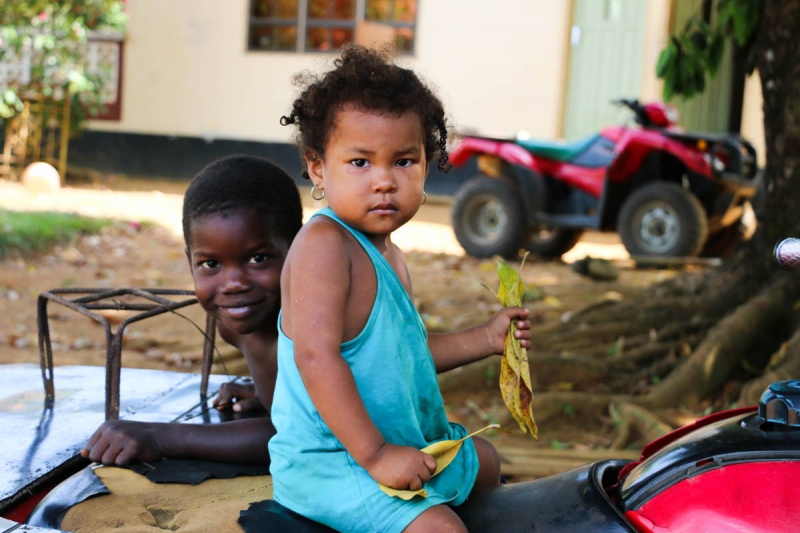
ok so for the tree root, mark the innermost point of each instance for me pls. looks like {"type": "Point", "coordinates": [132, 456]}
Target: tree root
{"type": "Point", "coordinates": [624, 431]}
{"type": "Point", "coordinates": [721, 352]}
{"type": "Point", "coordinates": [541, 462]}
{"type": "Point", "coordinates": [784, 364]}
{"type": "Point", "coordinates": [632, 419]}
{"type": "Point", "coordinates": [551, 405]}
{"type": "Point", "coordinates": [646, 423]}
{"type": "Point", "coordinates": [632, 359]}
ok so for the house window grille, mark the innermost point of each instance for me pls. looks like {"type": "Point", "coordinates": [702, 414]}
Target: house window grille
{"type": "Point", "coordinates": [325, 25]}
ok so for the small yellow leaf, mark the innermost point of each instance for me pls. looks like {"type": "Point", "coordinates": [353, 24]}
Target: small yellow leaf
{"type": "Point", "coordinates": [403, 494]}
{"type": "Point", "coordinates": [444, 452]}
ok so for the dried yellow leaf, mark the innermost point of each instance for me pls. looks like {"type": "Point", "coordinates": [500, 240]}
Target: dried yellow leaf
{"type": "Point", "coordinates": [403, 494]}
{"type": "Point", "coordinates": [515, 376]}
{"type": "Point", "coordinates": [444, 452]}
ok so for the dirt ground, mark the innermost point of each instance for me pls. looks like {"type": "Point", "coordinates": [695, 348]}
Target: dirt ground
{"type": "Point", "coordinates": [145, 249]}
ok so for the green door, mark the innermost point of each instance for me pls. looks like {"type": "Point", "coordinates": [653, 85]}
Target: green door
{"type": "Point", "coordinates": [605, 63]}
{"type": "Point", "coordinates": [710, 110]}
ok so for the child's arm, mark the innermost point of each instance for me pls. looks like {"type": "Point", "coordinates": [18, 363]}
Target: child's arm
{"type": "Point", "coordinates": [316, 299]}
{"type": "Point", "coordinates": [452, 350]}
{"type": "Point", "coordinates": [120, 442]}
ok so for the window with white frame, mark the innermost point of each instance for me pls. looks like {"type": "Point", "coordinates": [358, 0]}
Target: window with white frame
{"type": "Point", "coordinates": [323, 25]}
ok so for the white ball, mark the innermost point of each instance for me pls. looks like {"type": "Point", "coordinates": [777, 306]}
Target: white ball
{"type": "Point", "coordinates": [41, 178]}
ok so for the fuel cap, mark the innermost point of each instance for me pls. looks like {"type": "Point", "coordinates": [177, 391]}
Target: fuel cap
{"type": "Point", "coordinates": [780, 403]}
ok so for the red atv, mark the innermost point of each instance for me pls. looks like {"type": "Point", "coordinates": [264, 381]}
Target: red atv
{"type": "Point", "coordinates": [666, 191]}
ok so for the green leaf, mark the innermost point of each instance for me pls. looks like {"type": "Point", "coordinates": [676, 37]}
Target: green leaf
{"type": "Point", "coordinates": [726, 11]}
{"type": "Point", "coordinates": [665, 60]}
{"type": "Point", "coordinates": [715, 52]}
{"type": "Point", "coordinates": [669, 83]}
{"type": "Point", "coordinates": [739, 18]}
{"type": "Point", "coordinates": [699, 41]}
{"type": "Point", "coordinates": [699, 80]}
{"type": "Point", "coordinates": [508, 277]}
{"type": "Point", "coordinates": [686, 77]}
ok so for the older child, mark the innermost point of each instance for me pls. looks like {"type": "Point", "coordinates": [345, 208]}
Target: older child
{"type": "Point", "coordinates": [357, 395]}
{"type": "Point", "coordinates": [240, 214]}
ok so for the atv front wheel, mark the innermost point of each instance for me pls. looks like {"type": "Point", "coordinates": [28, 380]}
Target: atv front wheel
{"type": "Point", "coordinates": [488, 219]}
{"type": "Point", "coordinates": [662, 219]}
{"type": "Point", "coordinates": [552, 243]}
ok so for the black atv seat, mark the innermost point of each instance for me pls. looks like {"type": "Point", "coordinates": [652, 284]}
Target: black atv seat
{"type": "Point", "coordinates": [567, 502]}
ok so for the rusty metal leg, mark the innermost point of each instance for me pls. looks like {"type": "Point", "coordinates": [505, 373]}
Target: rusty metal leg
{"type": "Point", "coordinates": [208, 354]}
{"type": "Point", "coordinates": [113, 369]}
{"type": "Point", "coordinates": [45, 349]}
{"type": "Point", "coordinates": [92, 301]}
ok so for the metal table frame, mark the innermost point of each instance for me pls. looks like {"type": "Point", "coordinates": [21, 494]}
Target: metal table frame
{"type": "Point", "coordinates": [89, 300]}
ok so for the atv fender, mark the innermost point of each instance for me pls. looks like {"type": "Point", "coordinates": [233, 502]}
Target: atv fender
{"type": "Point", "coordinates": [505, 150]}
{"type": "Point", "coordinates": [633, 150]}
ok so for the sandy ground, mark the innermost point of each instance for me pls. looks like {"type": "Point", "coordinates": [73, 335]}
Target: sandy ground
{"type": "Point", "coordinates": [430, 231]}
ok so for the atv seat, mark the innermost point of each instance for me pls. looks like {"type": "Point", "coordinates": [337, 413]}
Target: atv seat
{"type": "Point", "coordinates": [571, 501]}
{"type": "Point", "coordinates": [560, 151]}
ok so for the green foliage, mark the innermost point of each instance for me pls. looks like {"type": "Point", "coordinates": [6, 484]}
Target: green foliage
{"type": "Point", "coordinates": [739, 18]}
{"type": "Point", "coordinates": [26, 233]}
{"type": "Point", "coordinates": [696, 52]}
{"type": "Point", "coordinates": [51, 34]}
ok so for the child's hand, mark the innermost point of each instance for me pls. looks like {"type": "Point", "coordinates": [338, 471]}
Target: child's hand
{"type": "Point", "coordinates": [239, 397]}
{"type": "Point", "coordinates": [497, 328]}
{"type": "Point", "coordinates": [119, 442]}
{"type": "Point", "coordinates": [402, 467]}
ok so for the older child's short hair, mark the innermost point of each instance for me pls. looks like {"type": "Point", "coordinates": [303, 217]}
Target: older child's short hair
{"type": "Point", "coordinates": [243, 181]}
{"type": "Point", "coordinates": [365, 79]}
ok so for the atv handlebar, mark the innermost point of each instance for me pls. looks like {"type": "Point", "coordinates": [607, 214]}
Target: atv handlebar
{"type": "Point", "coordinates": [636, 107]}
{"type": "Point", "coordinates": [787, 254]}
{"type": "Point", "coordinates": [627, 103]}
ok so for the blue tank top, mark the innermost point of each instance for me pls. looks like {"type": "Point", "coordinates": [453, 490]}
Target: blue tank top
{"type": "Point", "coordinates": [394, 371]}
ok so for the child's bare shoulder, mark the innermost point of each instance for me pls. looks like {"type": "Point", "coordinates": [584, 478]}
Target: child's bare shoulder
{"type": "Point", "coordinates": [322, 235]}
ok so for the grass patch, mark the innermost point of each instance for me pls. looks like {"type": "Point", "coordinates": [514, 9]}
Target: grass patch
{"type": "Point", "coordinates": [27, 233]}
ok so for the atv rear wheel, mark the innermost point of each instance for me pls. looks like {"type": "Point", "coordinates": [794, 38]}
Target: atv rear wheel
{"type": "Point", "coordinates": [662, 219]}
{"type": "Point", "coordinates": [552, 243]}
{"type": "Point", "coordinates": [488, 219]}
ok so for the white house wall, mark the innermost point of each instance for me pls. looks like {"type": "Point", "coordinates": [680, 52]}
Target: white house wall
{"type": "Point", "coordinates": [499, 65]}
{"type": "Point", "coordinates": [187, 73]}
{"type": "Point", "coordinates": [496, 65]}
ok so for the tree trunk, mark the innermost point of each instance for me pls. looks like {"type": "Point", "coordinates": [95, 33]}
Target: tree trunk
{"type": "Point", "coordinates": [777, 55]}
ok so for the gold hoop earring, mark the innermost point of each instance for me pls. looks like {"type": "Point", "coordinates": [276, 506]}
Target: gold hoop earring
{"type": "Point", "coordinates": [314, 190]}
{"type": "Point", "coordinates": [424, 198]}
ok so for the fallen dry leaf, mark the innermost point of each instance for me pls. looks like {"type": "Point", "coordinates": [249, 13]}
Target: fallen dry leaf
{"type": "Point", "coordinates": [444, 452]}
{"type": "Point", "coordinates": [515, 375]}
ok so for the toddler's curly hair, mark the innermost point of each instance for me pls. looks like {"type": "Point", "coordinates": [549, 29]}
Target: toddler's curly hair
{"type": "Point", "coordinates": [365, 79]}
